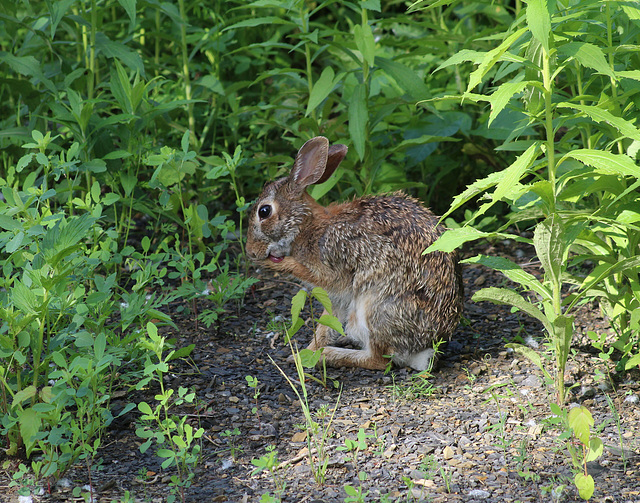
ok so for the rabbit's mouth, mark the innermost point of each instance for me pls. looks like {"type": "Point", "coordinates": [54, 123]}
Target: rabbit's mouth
{"type": "Point", "coordinates": [275, 259]}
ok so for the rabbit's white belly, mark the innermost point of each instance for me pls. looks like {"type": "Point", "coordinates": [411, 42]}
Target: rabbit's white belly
{"type": "Point", "coordinates": [357, 327]}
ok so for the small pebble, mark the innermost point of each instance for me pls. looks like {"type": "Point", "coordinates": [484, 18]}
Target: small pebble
{"type": "Point", "coordinates": [479, 494]}
{"type": "Point", "coordinates": [631, 399]}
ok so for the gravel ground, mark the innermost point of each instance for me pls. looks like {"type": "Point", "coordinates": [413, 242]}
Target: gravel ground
{"type": "Point", "coordinates": [478, 430]}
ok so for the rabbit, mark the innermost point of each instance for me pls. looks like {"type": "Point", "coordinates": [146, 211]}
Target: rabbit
{"type": "Point", "coordinates": [393, 301]}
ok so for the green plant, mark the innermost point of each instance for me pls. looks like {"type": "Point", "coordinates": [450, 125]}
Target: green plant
{"type": "Point", "coordinates": [561, 75]}
{"type": "Point", "coordinates": [580, 421]}
{"type": "Point", "coordinates": [500, 426]}
{"type": "Point", "coordinates": [618, 423]}
{"type": "Point", "coordinates": [252, 382]}
{"type": "Point", "coordinates": [354, 447]}
{"type": "Point", "coordinates": [308, 358]}
{"type": "Point", "coordinates": [269, 462]}
{"type": "Point", "coordinates": [232, 435]}
{"type": "Point", "coordinates": [175, 437]}
{"type": "Point", "coordinates": [356, 494]}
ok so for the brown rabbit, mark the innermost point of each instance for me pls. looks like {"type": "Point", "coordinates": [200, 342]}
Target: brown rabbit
{"type": "Point", "coordinates": [367, 254]}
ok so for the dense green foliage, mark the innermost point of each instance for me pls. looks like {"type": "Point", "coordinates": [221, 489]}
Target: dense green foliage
{"type": "Point", "coordinates": [135, 133]}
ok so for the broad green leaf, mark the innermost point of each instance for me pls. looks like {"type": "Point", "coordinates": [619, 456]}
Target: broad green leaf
{"type": "Point", "coordinates": [331, 322]}
{"type": "Point", "coordinates": [30, 424]}
{"type": "Point", "coordinates": [145, 408]}
{"type": "Point", "coordinates": [562, 337]}
{"type": "Point", "coordinates": [539, 21]}
{"type": "Point", "coordinates": [512, 271]}
{"type": "Point", "coordinates": [358, 118]}
{"type": "Point", "coordinates": [596, 448]}
{"type": "Point", "coordinates": [130, 8]}
{"type": "Point", "coordinates": [322, 88]}
{"type": "Point", "coordinates": [365, 42]}
{"type": "Point", "coordinates": [598, 114]}
{"type": "Point", "coordinates": [588, 55]}
{"type": "Point", "coordinates": [581, 421]}
{"type": "Point", "coordinates": [24, 298]}
{"type": "Point", "coordinates": [634, 361]}
{"type": "Point", "coordinates": [511, 298]}
{"type": "Point", "coordinates": [406, 78]}
{"type": "Point", "coordinates": [323, 298]}
{"type": "Point", "coordinates": [14, 243]}
{"type": "Point", "coordinates": [309, 358]}
{"type": "Point", "coordinates": [585, 485]}
{"type": "Point", "coordinates": [100, 345]}
{"type": "Point", "coordinates": [121, 52]}
{"type": "Point", "coordinates": [297, 303]}
{"type": "Point", "coordinates": [9, 223]}
{"type": "Point", "coordinates": [23, 394]}
{"type": "Point", "coordinates": [605, 162]}
{"type": "Point", "coordinates": [548, 239]}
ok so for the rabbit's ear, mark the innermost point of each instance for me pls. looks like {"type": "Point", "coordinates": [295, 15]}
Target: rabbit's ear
{"type": "Point", "coordinates": [310, 163]}
{"type": "Point", "coordinates": [336, 154]}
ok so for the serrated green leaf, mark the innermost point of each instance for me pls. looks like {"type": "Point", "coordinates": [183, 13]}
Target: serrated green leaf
{"type": "Point", "coordinates": [491, 58]}
{"type": "Point", "coordinates": [588, 55]}
{"type": "Point", "coordinates": [514, 272]}
{"type": "Point", "coordinates": [626, 128]}
{"type": "Point", "coordinates": [581, 421]}
{"type": "Point", "coordinates": [605, 162]}
{"type": "Point", "coordinates": [501, 97]}
{"type": "Point", "coordinates": [30, 424]}
{"type": "Point", "coordinates": [511, 298]}
{"type": "Point", "coordinates": [548, 239]}
{"type": "Point", "coordinates": [23, 394]}
{"type": "Point", "coordinates": [503, 180]}
{"type": "Point", "coordinates": [323, 297]}
{"type": "Point", "coordinates": [454, 238]}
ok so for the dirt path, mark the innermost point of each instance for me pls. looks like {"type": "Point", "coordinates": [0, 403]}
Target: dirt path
{"type": "Point", "coordinates": [477, 431]}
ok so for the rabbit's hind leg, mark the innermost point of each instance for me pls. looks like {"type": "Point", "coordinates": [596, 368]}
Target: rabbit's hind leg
{"type": "Point", "coordinates": [371, 357]}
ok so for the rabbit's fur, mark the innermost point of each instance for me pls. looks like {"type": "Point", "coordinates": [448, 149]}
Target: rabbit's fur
{"type": "Point", "coordinates": [367, 254]}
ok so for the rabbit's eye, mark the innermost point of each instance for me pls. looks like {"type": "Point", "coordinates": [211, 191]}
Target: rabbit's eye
{"type": "Point", "coordinates": [264, 211]}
